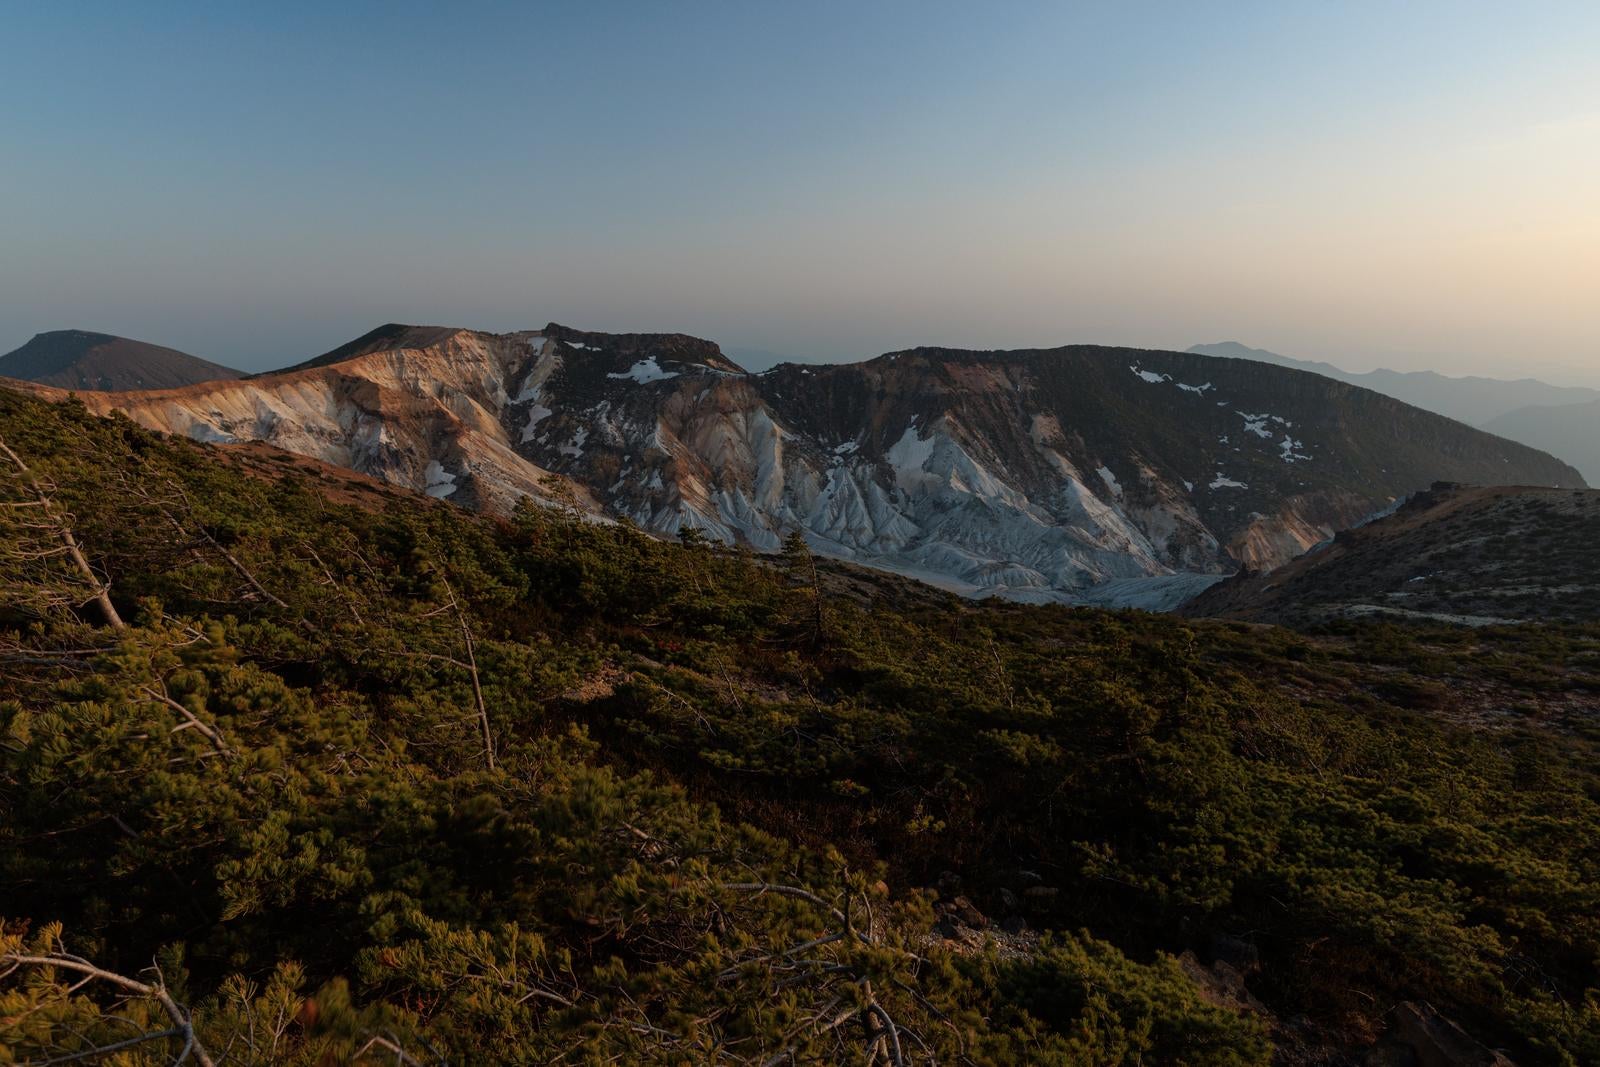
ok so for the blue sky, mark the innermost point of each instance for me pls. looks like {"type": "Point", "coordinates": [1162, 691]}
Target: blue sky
{"type": "Point", "coordinates": [1409, 185]}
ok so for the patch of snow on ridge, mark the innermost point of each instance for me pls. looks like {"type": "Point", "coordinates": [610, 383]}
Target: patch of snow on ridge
{"type": "Point", "coordinates": [581, 345]}
{"type": "Point", "coordinates": [1223, 482]}
{"type": "Point", "coordinates": [909, 456]}
{"type": "Point", "coordinates": [575, 448]}
{"type": "Point", "coordinates": [1289, 446]}
{"type": "Point", "coordinates": [440, 482]}
{"type": "Point", "coordinates": [531, 386]}
{"type": "Point", "coordinates": [1256, 424]}
{"type": "Point", "coordinates": [1156, 379]}
{"type": "Point", "coordinates": [1110, 480]}
{"type": "Point", "coordinates": [644, 372]}
{"type": "Point", "coordinates": [536, 414]}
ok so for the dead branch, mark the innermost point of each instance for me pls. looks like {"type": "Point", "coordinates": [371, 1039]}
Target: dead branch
{"type": "Point", "coordinates": [472, 669]}
{"type": "Point", "coordinates": [182, 1023]}
{"type": "Point", "coordinates": [191, 721]}
{"type": "Point", "coordinates": [101, 597]}
{"type": "Point", "coordinates": [401, 1056]}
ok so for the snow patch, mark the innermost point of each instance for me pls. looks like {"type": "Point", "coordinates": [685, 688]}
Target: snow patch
{"type": "Point", "coordinates": [1110, 480]}
{"type": "Point", "coordinates": [575, 446]}
{"type": "Point", "coordinates": [1223, 482]}
{"type": "Point", "coordinates": [536, 414]}
{"type": "Point", "coordinates": [1289, 446]}
{"type": "Point", "coordinates": [909, 455]}
{"type": "Point", "coordinates": [440, 482]}
{"type": "Point", "coordinates": [644, 372]}
{"type": "Point", "coordinates": [1149, 375]}
{"type": "Point", "coordinates": [201, 431]}
{"type": "Point", "coordinates": [1256, 424]}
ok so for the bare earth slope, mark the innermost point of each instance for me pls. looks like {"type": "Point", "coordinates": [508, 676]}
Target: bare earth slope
{"type": "Point", "coordinates": [1083, 473]}
{"type": "Point", "coordinates": [1455, 553]}
{"type": "Point", "coordinates": [79, 359]}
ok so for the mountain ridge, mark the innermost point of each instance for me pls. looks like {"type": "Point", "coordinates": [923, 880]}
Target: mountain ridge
{"type": "Point", "coordinates": [1472, 399]}
{"type": "Point", "coordinates": [1040, 474]}
{"type": "Point", "coordinates": [84, 359]}
{"type": "Point", "coordinates": [1572, 430]}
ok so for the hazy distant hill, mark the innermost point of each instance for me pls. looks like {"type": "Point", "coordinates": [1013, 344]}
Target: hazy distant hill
{"type": "Point", "coordinates": [1571, 431]}
{"type": "Point", "coordinates": [1474, 401]}
{"type": "Point", "coordinates": [80, 359]}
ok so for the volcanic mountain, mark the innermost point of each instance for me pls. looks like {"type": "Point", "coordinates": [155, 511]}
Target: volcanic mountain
{"type": "Point", "coordinates": [1110, 475]}
{"type": "Point", "coordinates": [79, 359]}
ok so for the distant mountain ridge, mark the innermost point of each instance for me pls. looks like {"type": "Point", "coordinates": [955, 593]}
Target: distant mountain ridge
{"type": "Point", "coordinates": [83, 359]}
{"type": "Point", "coordinates": [1081, 473]}
{"type": "Point", "coordinates": [1571, 431]}
{"type": "Point", "coordinates": [1472, 400]}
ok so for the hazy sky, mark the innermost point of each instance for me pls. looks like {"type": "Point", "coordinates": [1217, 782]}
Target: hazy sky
{"type": "Point", "coordinates": [1412, 185]}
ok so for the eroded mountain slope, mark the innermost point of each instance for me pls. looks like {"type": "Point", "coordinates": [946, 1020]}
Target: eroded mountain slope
{"type": "Point", "coordinates": [1117, 475]}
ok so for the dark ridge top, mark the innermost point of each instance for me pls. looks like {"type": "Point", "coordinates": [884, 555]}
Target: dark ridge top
{"type": "Point", "coordinates": [370, 341]}
{"type": "Point", "coordinates": [674, 346]}
{"type": "Point", "coordinates": [86, 360]}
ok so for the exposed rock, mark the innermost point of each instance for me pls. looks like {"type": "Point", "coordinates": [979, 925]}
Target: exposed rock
{"type": "Point", "coordinates": [1440, 1042]}
{"type": "Point", "coordinates": [963, 911]}
{"type": "Point", "coordinates": [1220, 984]}
{"type": "Point", "coordinates": [1389, 1054]}
{"type": "Point", "coordinates": [1237, 953]}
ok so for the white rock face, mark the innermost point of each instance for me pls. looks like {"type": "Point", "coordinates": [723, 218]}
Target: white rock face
{"type": "Point", "coordinates": [1037, 476]}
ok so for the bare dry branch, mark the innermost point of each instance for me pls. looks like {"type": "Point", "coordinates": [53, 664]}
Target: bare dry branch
{"type": "Point", "coordinates": [182, 1024]}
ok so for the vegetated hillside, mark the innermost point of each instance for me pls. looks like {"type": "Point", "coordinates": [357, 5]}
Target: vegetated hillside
{"type": "Point", "coordinates": [1080, 473]}
{"type": "Point", "coordinates": [1571, 431]}
{"type": "Point", "coordinates": [1473, 400]}
{"type": "Point", "coordinates": [363, 772]}
{"type": "Point", "coordinates": [1455, 553]}
{"type": "Point", "coordinates": [79, 359]}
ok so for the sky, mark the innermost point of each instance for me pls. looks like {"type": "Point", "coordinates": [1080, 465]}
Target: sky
{"type": "Point", "coordinates": [1414, 186]}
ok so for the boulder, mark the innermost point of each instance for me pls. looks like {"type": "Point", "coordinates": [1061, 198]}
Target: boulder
{"type": "Point", "coordinates": [1439, 1042]}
